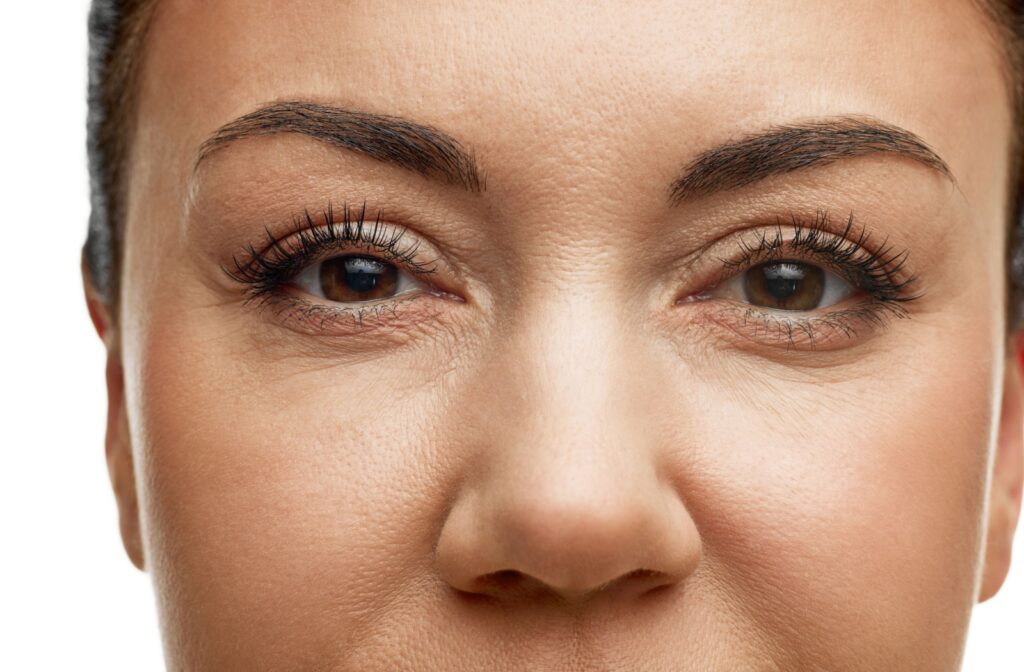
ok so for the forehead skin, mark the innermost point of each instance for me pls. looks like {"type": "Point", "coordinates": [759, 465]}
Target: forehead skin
{"type": "Point", "coordinates": [294, 489]}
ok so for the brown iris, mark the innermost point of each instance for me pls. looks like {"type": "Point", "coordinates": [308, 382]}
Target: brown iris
{"type": "Point", "coordinates": [786, 285]}
{"type": "Point", "coordinates": [355, 278]}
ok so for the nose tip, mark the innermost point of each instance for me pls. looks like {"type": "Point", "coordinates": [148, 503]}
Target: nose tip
{"type": "Point", "coordinates": [617, 546]}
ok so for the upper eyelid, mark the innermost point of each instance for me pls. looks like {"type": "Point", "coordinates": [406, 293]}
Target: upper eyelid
{"type": "Point", "coordinates": [330, 249]}
{"type": "Point", "coordinates": [377, 236]}
{"type": "Point", "coordinates": [843, 252]}
{"type": "Point", "coordinates": [732, 267]}
{"type": "Point", "coordinates": [282, 256]}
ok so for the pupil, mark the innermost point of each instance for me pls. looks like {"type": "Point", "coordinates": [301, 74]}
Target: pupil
{"type": "Point", "coordinates": [787, 285]}
{"type": "Point", "coordinates": [357, 279]}
{"type": "Point", "coordinates": [782, 280]}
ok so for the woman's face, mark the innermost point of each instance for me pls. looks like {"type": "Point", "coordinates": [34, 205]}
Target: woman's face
{"type": "Point", "coordinates": [688, 353]}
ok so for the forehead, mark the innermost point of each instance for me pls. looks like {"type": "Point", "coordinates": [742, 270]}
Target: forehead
{"type": "Point", "coordinates": [550, 81]}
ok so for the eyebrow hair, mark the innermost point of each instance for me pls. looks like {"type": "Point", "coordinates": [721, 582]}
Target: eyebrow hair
{"type": "Point", "coordinates": [786, 148]}
{"type": "Point", "coordinates": [422, 149]}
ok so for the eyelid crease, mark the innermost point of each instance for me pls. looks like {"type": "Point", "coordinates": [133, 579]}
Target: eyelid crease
{"type": "Point", "coordinates": [283, 257]}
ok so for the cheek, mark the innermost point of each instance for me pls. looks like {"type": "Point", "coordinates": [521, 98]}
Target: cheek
{"type": "Point", "coordinates": [279, 489]}
{"type": "Point", "coordinates": [849, 510]}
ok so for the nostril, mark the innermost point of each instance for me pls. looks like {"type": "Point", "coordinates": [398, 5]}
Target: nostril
{"type": "Point", "coordinates": [511, 584]}
{"type": "Point", "coordinates": [506, 578]}
{"type": "Point", "coordinates": [645, 581]}
{"type": "Point", "coordinates": [638, 581]}
{"type": "Point", "coordinates": [504, 583]}
{"type": "Point", "coordinates": [641, 575]}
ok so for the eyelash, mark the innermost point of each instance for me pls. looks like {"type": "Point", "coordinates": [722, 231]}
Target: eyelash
{"type": "Point", "coordinates": [264, 272]}
{"type": "Point", "coordinates": [875, 273]}
{"type": "Point", "coordinates": [280, 261]}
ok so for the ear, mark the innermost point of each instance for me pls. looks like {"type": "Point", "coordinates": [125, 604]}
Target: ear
{"type": "Point", "coordinates": [1007, 475]}
{"type": "Point", "coordinates": [120, 464]}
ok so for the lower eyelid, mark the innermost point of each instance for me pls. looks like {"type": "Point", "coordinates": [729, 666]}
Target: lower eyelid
{"type": "Point", "coordinates": [393, 319]}
{"type": "Point", "coordinates": [831, 330]}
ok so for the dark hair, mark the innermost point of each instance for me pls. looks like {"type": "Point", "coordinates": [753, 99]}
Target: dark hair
{"type": "Point", "coordinates": [1008, 18]}
{"type": "Point", "coordinates": [117, 29]}
{"type": "Point", "coordinates": [116, 32]}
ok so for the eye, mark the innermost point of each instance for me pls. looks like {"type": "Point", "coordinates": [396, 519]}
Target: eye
{"type": "Point", "coordinates": [786, 285]}
{"type": "Point", "coordinates": [355, 279]}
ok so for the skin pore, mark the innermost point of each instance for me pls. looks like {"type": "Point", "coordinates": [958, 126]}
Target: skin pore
{"type": "Point", "coordinates": [568, 443]}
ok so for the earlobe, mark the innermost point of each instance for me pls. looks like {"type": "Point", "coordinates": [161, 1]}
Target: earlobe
{"type": "Point", "coordinates": [120, 463]}
{"type": "Point", "coordinates": [1007, 476]}
{"type": "Point", "coordinates": [118, 448]}
{"type": "Point", "coordinates": [98, 312]}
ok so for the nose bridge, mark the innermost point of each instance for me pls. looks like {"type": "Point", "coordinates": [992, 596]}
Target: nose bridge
{"type": "Point", "coordinates": [565, 489]}
{"type": "Point", "coordinates": [576, 379]}
{"type": "Point", "coordinates": [569, 363]}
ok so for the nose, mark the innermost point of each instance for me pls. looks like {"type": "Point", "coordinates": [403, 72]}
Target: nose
{"type": "Point", "coordinates": [564, 497]}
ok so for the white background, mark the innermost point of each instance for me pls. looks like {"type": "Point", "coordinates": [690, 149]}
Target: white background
{"type": "Point", "coordinates": [69, 598]}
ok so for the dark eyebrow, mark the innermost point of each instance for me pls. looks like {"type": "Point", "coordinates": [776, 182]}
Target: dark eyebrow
{"type": "Point", "coordinates": [786, 148]}
{"type": "Point", "coordinates": [421, 149]}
